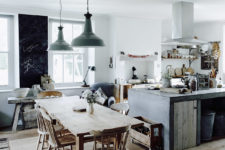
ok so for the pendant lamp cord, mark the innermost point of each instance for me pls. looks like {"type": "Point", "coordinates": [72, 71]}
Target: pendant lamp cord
{"type": "Point", "coordinates": [87, 6]}
{"type": "Point", "coordinates": [60, 12]}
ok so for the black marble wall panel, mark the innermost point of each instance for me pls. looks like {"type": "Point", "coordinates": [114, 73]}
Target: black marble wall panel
{"type": "Point", "coordinates": [33, 44]}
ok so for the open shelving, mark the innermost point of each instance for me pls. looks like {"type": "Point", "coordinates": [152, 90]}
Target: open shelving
{"type": "Point", "coordinates": [127, 58]}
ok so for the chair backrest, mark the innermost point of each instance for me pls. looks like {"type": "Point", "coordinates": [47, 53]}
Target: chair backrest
{"type": "Point", "coordinates": [122, 108]}
{"type": "Point", "coordinates": [46, 94]}
{"type": "Point", "coordinates": [53, 140]}
{"type": "Point", "coordinates": [40, 121]}
{"type": "Point", "coordinates": [119, 136]}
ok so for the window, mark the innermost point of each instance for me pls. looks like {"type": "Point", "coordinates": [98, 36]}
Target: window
{"type": "Point", "coordinates": [6, 49]}
{"type": "Point", "coordinates": [66, 68]}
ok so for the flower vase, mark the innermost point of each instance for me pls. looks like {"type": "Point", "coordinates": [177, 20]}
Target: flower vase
{"type": "Point", "coordinates": [165, 83]}
{"type": "Point", "coordinates": [90, 108]}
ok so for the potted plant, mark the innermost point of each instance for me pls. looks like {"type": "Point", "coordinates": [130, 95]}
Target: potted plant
{"type": "Point", "coordinates": [90, 96]}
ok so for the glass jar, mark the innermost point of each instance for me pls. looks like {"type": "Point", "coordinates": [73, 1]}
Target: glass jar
{"type": "Point", "coordinates": [193, 84]}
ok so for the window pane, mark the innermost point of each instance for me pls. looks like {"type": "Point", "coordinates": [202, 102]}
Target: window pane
{"type": "Point", "coordinates": [77, 30]}
{"type": "Point", "coordinates": [55, 30]}
{"type": "Point", "coordinates": [4, 68]}
{"type": "Point", "coordinates": [67, 32]}
{"type": "Point", "coordinates": [58, 68]}
{"type": "Point", "coordinates": [78, 68]}
{"type": "Point", "coordinates": [4, 34]}
{"type": "Point", "coordinates": [68, 68]}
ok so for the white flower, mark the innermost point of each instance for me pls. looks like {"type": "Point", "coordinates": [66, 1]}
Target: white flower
{"type": "Point", "coordinates": [86, 93]}
{"type": "Point", "coordinates": [89, 96]}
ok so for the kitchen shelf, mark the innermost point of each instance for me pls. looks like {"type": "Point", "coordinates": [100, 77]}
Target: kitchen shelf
{"type": "Point", "coordinates": [127, 58]}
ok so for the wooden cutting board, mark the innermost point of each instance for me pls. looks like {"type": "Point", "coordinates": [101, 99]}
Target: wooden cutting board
{"type": "Point", "coordinates": [173, 90]}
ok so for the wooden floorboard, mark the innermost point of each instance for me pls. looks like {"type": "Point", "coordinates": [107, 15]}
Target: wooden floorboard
{"type": "Point", "coordinates": [27, 139]}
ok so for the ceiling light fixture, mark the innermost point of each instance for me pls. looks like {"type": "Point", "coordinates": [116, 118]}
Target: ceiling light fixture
{"type": "Point", "coordinates": [87, 38]}
{"type": "Point", "coordinates": [60, 44]}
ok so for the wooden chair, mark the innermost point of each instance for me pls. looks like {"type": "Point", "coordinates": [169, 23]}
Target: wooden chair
{"type": "Point", "coordinates": [52, 94]}
{"type": "Point", "coordinates": [49, 94]}
{"type": "Point", "coordinates": [123, 108]}
{"type": "Point", "coordinates": [42, 130]}
{"type": "Point", "coordinates": [42, 138]}
{"type": "Point", "coordinates": [56, 142]}
{"type": "Point", "coordinates": [111, 139]}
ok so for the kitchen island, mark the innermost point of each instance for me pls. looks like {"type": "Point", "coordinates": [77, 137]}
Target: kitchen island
{"type": "Point", "coordinates": [180, 114]}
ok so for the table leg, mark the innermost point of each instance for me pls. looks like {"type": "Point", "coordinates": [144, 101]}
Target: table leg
{"type": "Point", "coordinates": [121, 93]}
{"type": "Point", "coordinates": [79, 142]}
{"type": "Point", "coordinates": [16, 117]}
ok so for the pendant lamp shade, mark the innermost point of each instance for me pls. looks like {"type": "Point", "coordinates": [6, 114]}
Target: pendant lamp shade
{"type": "Point", "coordinates": [60, 44]}
{"type": "Point", "coordinates": [87, 38]}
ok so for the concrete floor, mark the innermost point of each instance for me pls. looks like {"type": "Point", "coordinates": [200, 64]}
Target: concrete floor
{"type": "Point", "coordinates": [27, 139]}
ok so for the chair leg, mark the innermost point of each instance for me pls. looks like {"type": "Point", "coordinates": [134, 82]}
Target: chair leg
{"type": "Point", "coordinates": [43, 141]}
{"type": "Point", "coordinates": [38, 143]}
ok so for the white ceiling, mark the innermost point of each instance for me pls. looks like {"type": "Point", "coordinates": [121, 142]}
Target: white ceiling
{"type": "Point", "coordinates": [205, 10]}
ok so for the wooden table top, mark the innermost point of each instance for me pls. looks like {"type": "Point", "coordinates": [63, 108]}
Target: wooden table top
{"type": "Point", "coordinates": [81, 123]}
{"type": "Point", "coordinates": [16, 100]}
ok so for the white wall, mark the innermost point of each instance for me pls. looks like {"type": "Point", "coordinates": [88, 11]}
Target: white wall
{"type": "Point", "coordinates": [139, 37]}
{"type": "Point", "coordinates": [6, 110]}
{"type": "Point", "coordinates": [102, 54]}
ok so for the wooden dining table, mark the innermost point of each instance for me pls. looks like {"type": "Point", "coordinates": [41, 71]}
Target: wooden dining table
{"type": "Point", "coordinates": [81, 123]}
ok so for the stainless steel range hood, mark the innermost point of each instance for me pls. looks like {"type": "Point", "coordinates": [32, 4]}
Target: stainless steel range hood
{"type": "Point", "coordinates": [183, 25]}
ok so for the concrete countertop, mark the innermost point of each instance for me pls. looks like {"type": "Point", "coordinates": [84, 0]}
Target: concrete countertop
{"type": "Point", "coordinates": [196, 95]}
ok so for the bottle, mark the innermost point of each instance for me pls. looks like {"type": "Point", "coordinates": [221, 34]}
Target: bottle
{"type": "Point", "coordinates": [219, 83]}
{"type": "Point", "coordinates": [183, 69]}
{"type": "Point", "coordinates": [193, 84]}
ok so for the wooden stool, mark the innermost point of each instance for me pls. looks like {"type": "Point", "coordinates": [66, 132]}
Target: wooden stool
{"type": "Point", "coordinates": [121, 107]}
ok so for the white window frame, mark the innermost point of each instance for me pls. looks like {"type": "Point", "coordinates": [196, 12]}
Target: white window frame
{"type": "Point", "coordinates": [52, 53]}
{"type": "Point", "coordinates": [11, 53]}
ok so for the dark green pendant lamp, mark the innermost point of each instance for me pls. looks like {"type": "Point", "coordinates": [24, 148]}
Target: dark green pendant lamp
{"type": "Point", "coordinates": [60, 44]}
{"type": "Point", "coordinates": [87, 38]}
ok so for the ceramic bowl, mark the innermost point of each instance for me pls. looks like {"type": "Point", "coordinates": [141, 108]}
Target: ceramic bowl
{"type": "Point", "coordinates": [21, 92]}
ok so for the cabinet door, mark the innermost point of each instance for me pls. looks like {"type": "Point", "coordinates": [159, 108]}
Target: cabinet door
{"type": "Point", "coordinates": [185, 124]}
